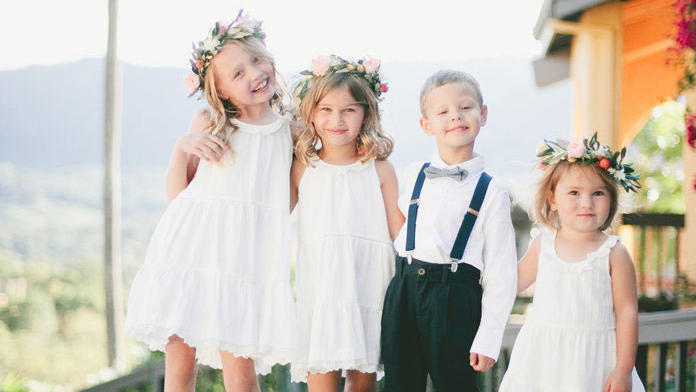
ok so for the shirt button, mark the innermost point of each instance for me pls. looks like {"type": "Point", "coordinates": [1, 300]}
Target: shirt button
{"type": "Point", "coordinates": [421, 271]}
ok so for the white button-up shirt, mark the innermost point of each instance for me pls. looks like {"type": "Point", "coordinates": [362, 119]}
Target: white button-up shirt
{"type": "Point", "coordinates": [491, 247]}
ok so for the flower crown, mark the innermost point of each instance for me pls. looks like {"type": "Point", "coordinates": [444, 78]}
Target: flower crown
{"type": "Point", "coordinates": [366, 68]}
{"type": "Point", "coordinates": [203, 53]}
{"type": "Point", "coordinates": [589, 152]}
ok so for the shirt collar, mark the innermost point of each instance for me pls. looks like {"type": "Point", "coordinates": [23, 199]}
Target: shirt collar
{"type": "Point", "coordinates": [473, 165]}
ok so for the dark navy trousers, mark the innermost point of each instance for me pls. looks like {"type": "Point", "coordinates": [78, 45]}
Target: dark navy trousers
{"type": "Point", "coordinates": [429, 321]}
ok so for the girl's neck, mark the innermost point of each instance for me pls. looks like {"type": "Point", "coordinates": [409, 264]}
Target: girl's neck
{"type": "Point", "coordinates": [453, 156]}
{"type": "Point", "coordinates": [338, 155]}
{"type": "Point", "coordinates": [260, 114]}
{"type": "Point", "coordinates": [580, 236]}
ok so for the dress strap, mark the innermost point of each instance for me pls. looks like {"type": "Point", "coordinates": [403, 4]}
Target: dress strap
{"type": "Point", "coordinates": [605, 248]}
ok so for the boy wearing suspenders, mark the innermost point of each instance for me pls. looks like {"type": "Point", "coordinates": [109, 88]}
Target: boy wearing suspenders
{"type": "Point", "coordinates": [446, 308]}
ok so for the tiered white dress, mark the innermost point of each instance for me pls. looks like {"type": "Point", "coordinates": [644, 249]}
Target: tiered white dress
{"type": "Point", "coordinates": [344, 264]}
{"type": "Point", "coordinates": [568, 341]}
{"type": "Point", "coordinates": [216, 272]}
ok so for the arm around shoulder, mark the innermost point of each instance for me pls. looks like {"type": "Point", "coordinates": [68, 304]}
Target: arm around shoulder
{"type": "Point", "coordinates": [184, 162]}
{"type": "Point", "coordinates": [389, 185]}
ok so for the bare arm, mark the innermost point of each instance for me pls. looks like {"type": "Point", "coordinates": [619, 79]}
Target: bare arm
{"type": "Point", "coordinates": [390, 194]}
{"type": "Point", "coordinates": [528, 265]}
{"type": "Point", "coordinates": [188, 151]}
{"type": "Point", "coordinates": [296, 172]}
{"type": "Point", "coordinates": [180, 172]}
{"type": "Point", "coordinates": [623, 290]}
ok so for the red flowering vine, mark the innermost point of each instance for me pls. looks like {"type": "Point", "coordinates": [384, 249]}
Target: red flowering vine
{"type": "Point", "coordinates": [690, 125]}
{"type": "Point", "coordinates": [685, 41]}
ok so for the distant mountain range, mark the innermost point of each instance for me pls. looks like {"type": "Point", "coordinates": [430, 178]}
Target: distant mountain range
{"type": "Point", "coordinates": [52, 116]}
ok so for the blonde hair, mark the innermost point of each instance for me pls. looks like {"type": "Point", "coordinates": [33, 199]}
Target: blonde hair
{"type": "Point", "coordinates": [223, 110]}
{"type": "Point", "coordinates": [371, 140]}
{"type": "Point", "coordinates": [447, 76]}
{"type": "Point", "coordinates": [547, 186]}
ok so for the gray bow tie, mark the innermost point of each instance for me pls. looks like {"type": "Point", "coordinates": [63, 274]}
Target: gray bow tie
{"type": "Point", "coordinates": [455, 173]}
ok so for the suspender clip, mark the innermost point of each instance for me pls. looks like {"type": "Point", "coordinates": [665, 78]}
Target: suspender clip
{"type": "Point", "coordinates": [413, 201]}
{"type": "Point", "coordinates": [409, 257]}
{"type": "Point", "coordinates": [454, 264]}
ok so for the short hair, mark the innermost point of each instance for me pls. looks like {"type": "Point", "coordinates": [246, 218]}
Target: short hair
{"type": "Point", "coordinates": [446, 76]}
{"type": "Point", "coordinates": [547, 186]}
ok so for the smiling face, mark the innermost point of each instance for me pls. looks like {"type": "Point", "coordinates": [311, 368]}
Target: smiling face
{"type": "Point", "coordinates": [452, 114]}
{"type": "Point", "coordinates": [243, 78]}
{"type": "Point", "coordinates": [581, 200]}
{"type": "Point", "coordinates": [338, 117]}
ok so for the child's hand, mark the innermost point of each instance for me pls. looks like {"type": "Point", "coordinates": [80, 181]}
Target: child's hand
{"type": "Point", "coordinates": [618, 381]}
{"type": "Point", "coordinates": [480, 362]}
{"type": "Point", "coordinates": [202, 145]}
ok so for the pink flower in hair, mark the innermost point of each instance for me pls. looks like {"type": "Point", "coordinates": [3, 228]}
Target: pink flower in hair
{"type": "Point", "coordinates": [320, 65]}
{"type": "Point", "coordinates": [192, 82]}
{"type": "Point", "coordinates": [576, 149]}
{"type": "Point", "coordinates": [371, 65]}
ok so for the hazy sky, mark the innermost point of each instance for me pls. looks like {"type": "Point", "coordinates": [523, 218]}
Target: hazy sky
{"type": "Point", "coordinates": [160, 33]}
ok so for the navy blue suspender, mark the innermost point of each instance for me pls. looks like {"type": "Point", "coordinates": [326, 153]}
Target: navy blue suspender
{"type": "Point", "coordinates": [413, 210]}
{"type": "Point", "coordinates": [466, 226]}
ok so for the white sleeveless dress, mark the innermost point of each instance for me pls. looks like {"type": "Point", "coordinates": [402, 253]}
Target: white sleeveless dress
{"type": "Point", "coordinates": [344, 264]}
{"type": "Point", "coordinates": [568, 341]}
{"type": "Point", "coordinates": [217, 270]}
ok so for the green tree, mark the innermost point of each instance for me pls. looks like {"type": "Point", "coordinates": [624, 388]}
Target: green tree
{"type": "Point", "coordinates": [657, 152]}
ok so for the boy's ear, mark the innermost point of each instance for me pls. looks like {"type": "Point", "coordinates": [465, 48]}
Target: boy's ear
{"type": "Point", "coordinates": [425, 124]}
{"type": "Point", "coordinates": [484, 114]}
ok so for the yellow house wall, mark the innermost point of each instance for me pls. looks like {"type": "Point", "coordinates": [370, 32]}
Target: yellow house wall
{"type": "Point", "coordinates": [646, 78]}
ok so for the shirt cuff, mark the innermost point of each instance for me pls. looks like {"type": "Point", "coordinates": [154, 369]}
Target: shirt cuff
{"type": "Point", "coordinates": [488, 342]}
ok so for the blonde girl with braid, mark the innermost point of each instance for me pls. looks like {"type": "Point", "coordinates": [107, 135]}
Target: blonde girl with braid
{"type": "Point", "coordinates": [214, 288]}
{"type": "Point", "coordinates": [346, 192]}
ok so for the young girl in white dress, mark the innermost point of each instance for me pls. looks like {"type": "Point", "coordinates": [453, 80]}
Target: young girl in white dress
{"type": "Point", "coordinates": [581, 332]}
{"type": "Point", "coordinates": [347, 217]}
{"type": "Point", "coordinates": [214, 286]}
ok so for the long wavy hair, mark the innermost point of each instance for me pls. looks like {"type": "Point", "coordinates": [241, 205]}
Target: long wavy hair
{"type": "Point", "coordinates": [547, 186]}
{"type": "Point", "coordinates": [371, 142]}
{"type": "Point", "coordinates": [223, 110]}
